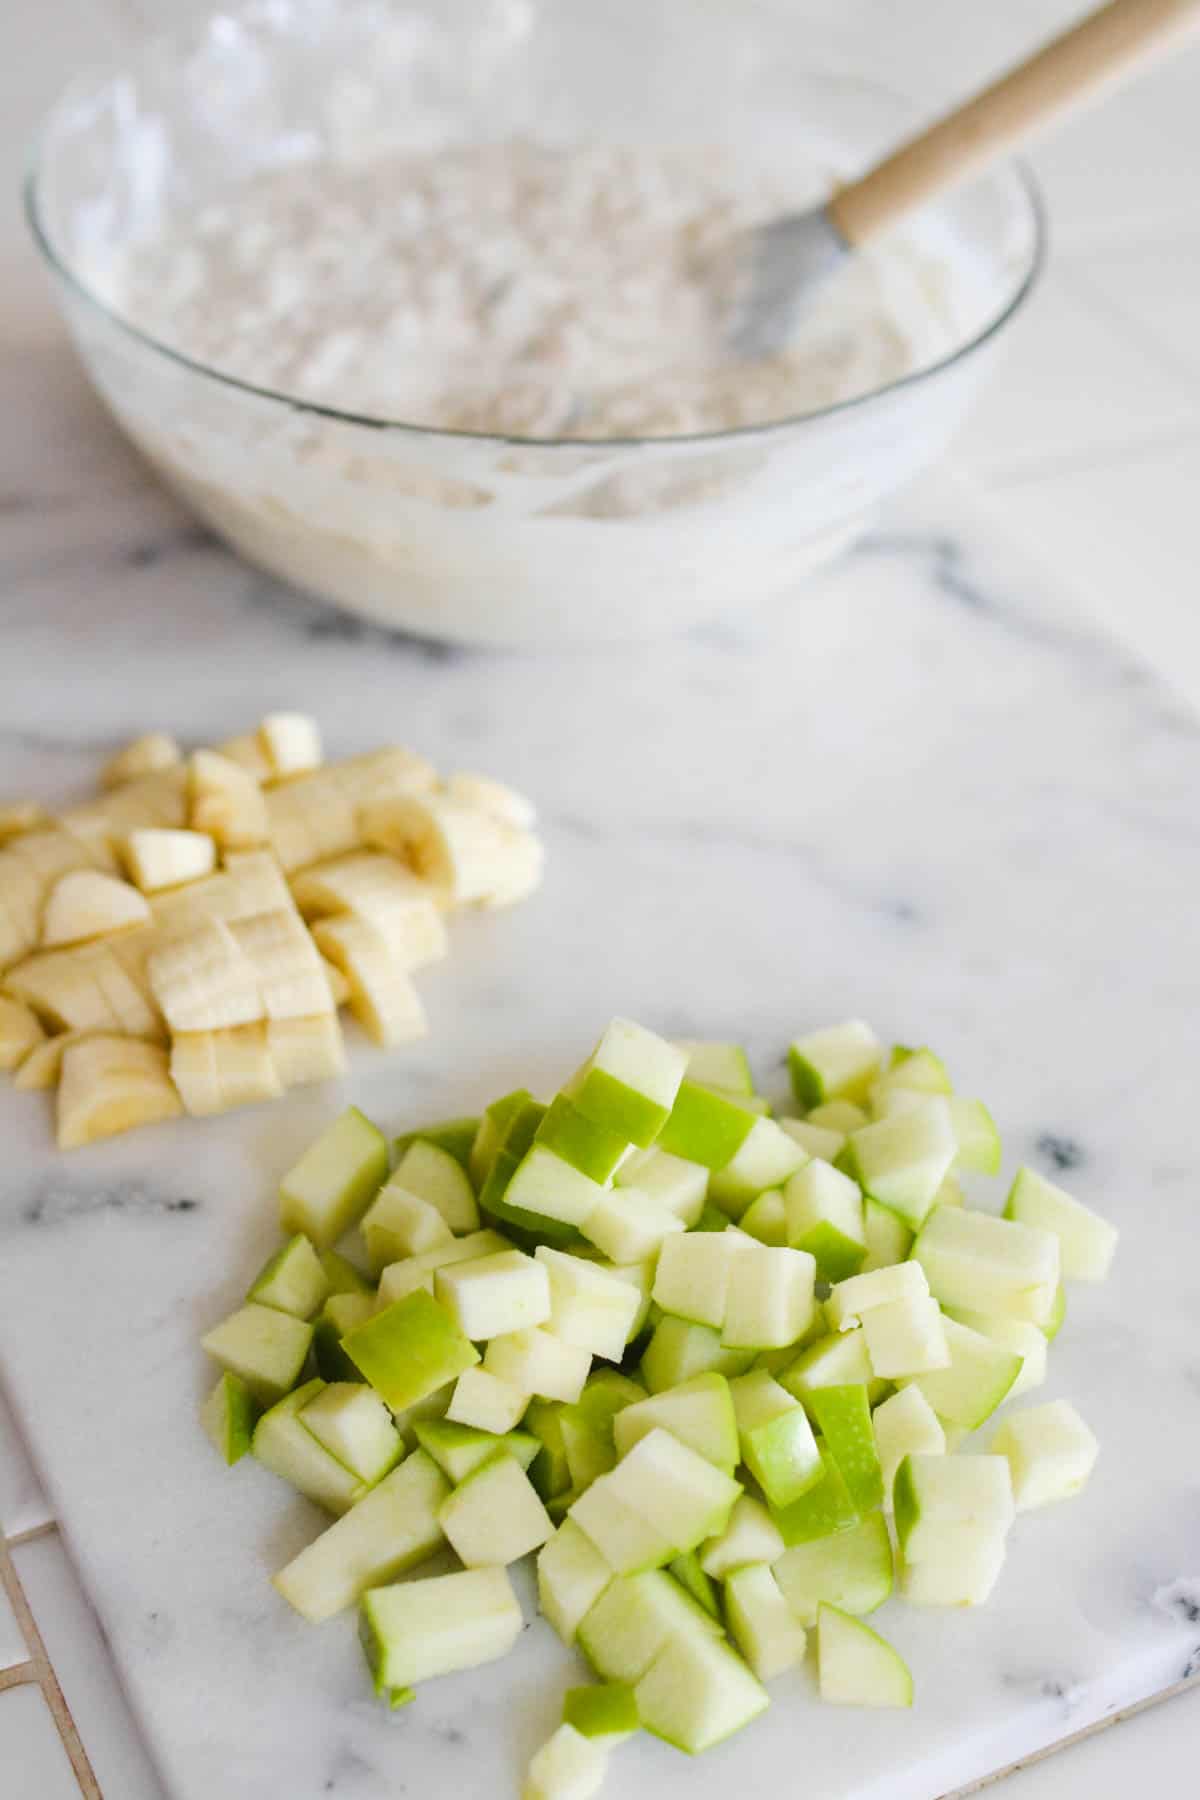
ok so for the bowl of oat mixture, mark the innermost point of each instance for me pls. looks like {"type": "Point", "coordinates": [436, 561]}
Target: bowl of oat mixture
{"type": "Point", "coordinates": [408, 301]}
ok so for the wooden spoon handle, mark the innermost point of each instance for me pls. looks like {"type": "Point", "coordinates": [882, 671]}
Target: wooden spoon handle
{"type": "Point", "coordinates": [1103, 48]}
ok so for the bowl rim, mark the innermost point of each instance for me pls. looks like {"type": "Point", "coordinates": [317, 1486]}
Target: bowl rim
{"type": "Point", "coordinates": [1016, 168]}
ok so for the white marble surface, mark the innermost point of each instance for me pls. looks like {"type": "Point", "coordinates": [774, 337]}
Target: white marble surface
{"type": "Point", "coordinates": [33, 1763]}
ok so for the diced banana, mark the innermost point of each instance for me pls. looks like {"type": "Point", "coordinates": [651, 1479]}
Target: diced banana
{"type": "Point", "coordinates": [43, 1066]}
{"type": "Point", "coordinates": [29, 866]}
{"type": "Point", "coordinates": [339, 987]}
{"type": "Point", "coordinates": [216, 1071]}
{"type": "Point", "coordinates": [203, 980]}
{"type": "Point", "coordinates": [89, 987]}
{"type": "Point", "coordinates": [374, 886]}
{"type": "Point", "coordinates": [88, 904]}
{"type": "Point", "coordinates": [152, 800]}
{"type": "Point", "coordinates": [226, 802]}
{"type": "Point", "coordinates": [315, 816]}
{"type": "Point", "coordinates": [51, 853]}
{"type": "Point", "coordinates": [166, 859]}
{"type": "Point", "coordinates": [527, 863]}
{"type": "Point", "coordinates": [485, 795]}
{"type": "Point", "coordinates": [109, 1085]}
{"type": "Point", "coordinates": [286, 963]}
{"type": "Point", "coordinates": [251, 882]}
{"type": "Point", "coordinates": [20, 1031]}
{"type": "Point", "coordinates": [247, 752]}
{"type": "Point", "coordinates": [468, 855]}
{"type": "Point", "coordinates": [21, 815]}
{"type": "Point", "coordinates": [144, 756]}
{"type": "Point", "coordinates": [306, 1050]}
{"type": "Point", "coordinates": [292, 742]}
{"type": "Point", "coordinates": [382, 997]}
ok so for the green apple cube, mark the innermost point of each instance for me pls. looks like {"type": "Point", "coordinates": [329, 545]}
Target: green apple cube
{"type": "Point", "coordinates": [633, 1619]}
{"type": "Point", "coordinates": [494, 1517]}
{"type": "Point", "coordinates": [981, 1374]}
{"type": "Point", "coordinates": [484, 1401]}
{"type": "Point", "coordinates": [989, 1265]}
{"type": "Point", "coordinates": [389, 1531]}
{"type": "Point", "coordinates": [857, 1295]}
{"type": "Point", "coordinates": [588, 1426]}
{"type": "Point", "coordinates": [491, 1132]}
{"type": "Point", "coordinates": [593, 1149]}
{"type": "Point", "coordinates": [960, 1569]}
{"type": "Point", "coordinates": [455, 1136]}
{"type": "Point", "coordinates": [825, 1509]}
{"type": "Point", "coordinates": [888, 1238]}
{"type": "Point", "coordinates": [680, 1186]}
{"type": "Point", "coordinates": [282, 1444]}
{"type": "Point", "coordinates": [843, 1116]}
{"type": "Point", "coordinates": [836, 1063]}
{"type": "Point", "coordinates": [1050, 1452]}
{"type": "Point", "coordinates": [950, 1193]}
{"type": "Point", "coordinates": [824, 1211]}
{"type": "Point", "coordinates": [933, 1492]}
{"type": "Point", "coordinates": [571, 1577]}
{"type": "Point", "coordinates": [399, 1224]}
{"type": "Point", "coordinates": [979, 1145]}
{"type": "Point", "coordinates": [699, 1412]}
{"type": "Point", "coordinates": [342, 1276]}
{"type": "Point", "coordinates": [706, 1127]}
{"type": "Point", "coordinates": [770, 1299]}
{"type": "Point", "coordinates": [766, 1159]}
{"type": "Point", "coordinates": [697, 1692]}
{"type": "Point", "coordinates": [537, 1362]}
{"type": "Point", "coordinates": [640, 1277]}
{"type": "Point", "coordinates": [418, 1629]}
{"type": "Point", "coordinates": [433, 1406]}
{"type": "Point", "coordinates": [1086, 1241]}
{"type": "Point", "coordinates": [776, 1439]}
{"type": "Point", "coordinates": [628, 1541]}
{"type": "Point", "coordinates": [692, 1279]}
{"type": "Point", "coordinates": [717, 1065]}
{"type": "Point", "coordinates": [837, 1360]}
{"type": "Point", "coordinates": [336, 1179]}
{"type": "Point", "coordinates": [678, 1350]}
{"type": "Point", "coordinates": [410, 1349]}
{"type": "Point", "coordinates": [589, 1305]}
{"type": "Point", "coordinates": [679, 1491]}
{"type": "Point", "coordinates": [549, 1472]}
{"type": "Point", "coordinates": [329, 1359]}
{"type": "Point", "coordinates": [855, 1666]}
{"type": "Point", "coordinates": [918, 1068]}
{"type": "Point", "coordinates": [228, 1416]}
{"type": "Point", "coordinates": [852, 1571]}
{"type": "Point", "coordinates": [886, 1102]}
{"type": "Point", "coordinates": [460, 1449]}
{"type": "Point", "coordinates": [292, 1280]}
{"type": "Point", "coordinates": [764, 1627]}
{"type": "Point", "coordinates": [750, 1536]}
{"type": "Point", "coordinates": [820, 1141]}
{"type": "Point", "coordinates": [608, 1711]}
{"type": "Point", "coordinates": [906, 1337]}
{"type": "Point", "coordinates": [568, 1766]}
{"type": "Point", "coordinates": [901, 1161]}
{"type": "Point", "coordinates": [438, 1176]}
{"type": "Point", "coordinates": [1027, 1341]}
{"type": "Point", "coordinates": [402, 1278]}
{"type": "Point", "coordinates": [547, 1186]}
{"type": "Point", "coordinates": [904, 1425]}
{"type": "Point", "coordinates": [353, 1424]}
{"type": "Point", "coordinates": [264, 1348]}
{"type": "Point", "coordinates": [765, 1219]}
{"type": "Point", "coordinates": [629, 1082]}
{"type": "Point", "coordinates": [629, 1226]}
{"type": "Point", "coordinates": [690, 1575]}
{"type": "Point", "coordinates": [491, 1295]}
{"type": "Point", "coordinates": [843, 1417]}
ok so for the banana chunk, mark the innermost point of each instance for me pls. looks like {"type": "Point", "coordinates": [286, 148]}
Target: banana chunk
{"type": "Point", "coordinates": [291, 743]}
{"type": "Point", "coordinates": [287, 965]}
{"type": "Point", "coordinates": [493, 797]}
{"type": "Point", "coordinates": [374, 886]}
{"type": "Point", "coordinates": [166, 859]}
{"type": "Point", "coordinates": [226, 802]}
{"type": "Point", "coordinates": [90, 987]}
{"type": "Point", "coordinates": [216, 1071]}
{"type": "Point", "coordinates": [89, 904]}
{"type": "Point", "coordinates": [382, 997]}
{"type": "Point", "coordinates": [203, 980]}
{"type": "Point", "coordinates": [307, 1050]}
{"type": "Point", "coordinates": [20, 1032]}
{"type": "Point", "coordinates": [109, 1085]}
{"type": "Point", "coordinates": [469, 856]}
{"type": "Point", "coordinates": [146, 755]}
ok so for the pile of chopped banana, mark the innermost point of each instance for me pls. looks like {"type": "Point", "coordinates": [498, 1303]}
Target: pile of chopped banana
{"type": "Point", "coordinates": [183, 943]}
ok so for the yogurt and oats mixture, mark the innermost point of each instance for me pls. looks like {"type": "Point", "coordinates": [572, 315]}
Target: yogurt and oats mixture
{"type": "Point", "coordinates": [518, 289]}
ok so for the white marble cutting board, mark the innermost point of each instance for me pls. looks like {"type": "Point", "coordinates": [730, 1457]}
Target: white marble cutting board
{"type": "Point", "coordinates": [926, 793]}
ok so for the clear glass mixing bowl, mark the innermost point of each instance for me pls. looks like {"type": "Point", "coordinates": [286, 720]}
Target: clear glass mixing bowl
{"type": "Point", "coordinates": [462, 536]}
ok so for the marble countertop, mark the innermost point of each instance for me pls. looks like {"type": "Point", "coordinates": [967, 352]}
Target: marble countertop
{"type": "Point", "coordinates": [916, 842]}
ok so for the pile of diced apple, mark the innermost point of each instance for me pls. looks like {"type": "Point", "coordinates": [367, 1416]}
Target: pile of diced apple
{"type": "Point", "coordinates": [710, 1366]}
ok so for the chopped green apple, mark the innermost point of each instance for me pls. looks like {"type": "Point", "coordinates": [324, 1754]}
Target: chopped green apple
{"type": "Point", "coordinates": [689, 1573]}
{"type": "Point", "coordinates": [699, 1412]}
{"type": "Point", "coordinates": [436, 1174]}
{"type": "Point", "coordinates": [353, 1424]}
{"type": "Point", "coordinates": [820, 1141]}
{"type": "Point", "coordinates": [456, 1136]}
{"type": "Point", "coordinates": [678, 1350]}
{"type": "Point", "coordinates": [950, 1193]}
{"type": "Point", "coordinates": [901, 1161]}
{"type": "Point", "coordinates": [629, 1226]}
{"type": "Point", "coordinates": [717, 1065]}
{"type": "Point", "coordinates": [979, 1145]}
{"type": "Point", "coordinates": [918, 1069]}
{"type": "Point", "coordinates": [1086, 1242]}
{"type": "Point", "coordinates": [851, 1298]}
{"type": "Point", "coordinates": [402, 1278]}
{"type": "Point", "coordinates": [388, 1532]}
{"type": "Point", "coordinates": [410, 1349]}
{"type": "Point", "coordinates": [706, 1127]}
{"type": "Point", "coordinates": [823, 1511]}
{"type": "Point", "coordinates": [981, 1373]}
{"type": "Point", "coordinates": [549, 1472]}
{"type": "Point", "coordinates": [843, 1417]}
{"type": "Point", "coordinates": [750, 1536]}
{"type": "Point", "coordinates": [491, 1295]}
{"type": "Point", "coordinates": [342, 1276]}
{"type": "Point", "coordinates": [459, 1449]}
{"type": "Point", "coordinates": [494, 1516]}
{"type": "Point", "coordinates": [481, 1399]}
{"type": "Point", "coordinates": [764, 1627]}
{"type": "Point", "coordinates": [694, 1269]}
{"type": "Point", "coordinates": [590, 1306]}
{"type": "Point", "coordinates": [491, 1132]}
{"type": "Point", "coordinates": [545, 1185]}
{"type": "Point", "coordinates": [293, 1280]}
{"type": "Point", "coordinates": [571, 1577]}
{"type": "Point", "coordinates": [228, 1416]}
{"type": "Point", "coordinates": [593, 1149]}
{"type": "Point", "coordinates": [1050, 1452]}
{"type": "Point", "coordinates": [990, 1265]}
{"type": "Point", "coordinates": [959, 1568]}
{"type": "Point", "coordinates": [765, 1219]}
{"type": "Point", "coordinates": [933, 1492]}
{"type": "Point", "coordinates": [588, 1426]}
{"type": "Point", "coordinates": [399, 1224]}
{"type": "Point", "coordinates": [631, 1621]}
{"type": "Point", "coordinates": [629, 1082]}
{"type": "Point", "coordinates": [697, 1692]}
{"type": "Point", "coordinates": [824, 1211]}
{"type": "Point", "coordinates": [336, 1179]}
{"type": "Point", "coordinates": [536, 1362]}
{"type": "Point", "coordinates": [769, 1303]}
{"type": "Point", "coordinates": [766, 1158]}
{"type": "Point", "coordinates": [676, 1489]}
{"type": "Point", "coordinates": [836, 1360]}
{"type": "Point", "coordinates": [888, 1238]}
{"type": "Point", "coordinates": [628, 1541]}
{"type": "Point", "coordinates": [568, 1766]}
{"type": "Point", "coordinates": [852, 1571]}
{"type": "Point", "coordinates": [680, 1186]}
{"type": "Point", "coordinates": [607, 1711]}
{"type": "Point", "coordinates": [838, 1115]}
{"type": "Point", "coordinates": [283, 1444]}
{"type": "Point", "coordinates": [1028, 1341]}
{"type": "Point", "coordinates": [905, 1425]}
{"type": "Point", "coordinates": [776, 1438]}
{"type": "Point", "coordinates": [906, 1337]}
{"type": "Point", "coordinates": [855, 1666]}
{"type": "Point", "coordinates": [834, 1064]}
{"type": "Point", "coordinates": [418, 1629]}
{"type": "Point", "coordinates": [1052, 1324]}
{"type": "Point", "coordinates": [264, 1348]}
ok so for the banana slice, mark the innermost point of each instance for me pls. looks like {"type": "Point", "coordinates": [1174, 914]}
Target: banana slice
{"type": "Point", "coordinates": [20, 908]}
{"type": "Point", "coordinates": [144, 756]}
{"type": "Point", "coordinates": [21, 815]}
{"type": "Point", "coordinates": [151, 800]}
{"type": "Point", "coordinates": [247, 752]}
{"type": "Point", "coordinates": [42, 1068]}
{"type": "Point", "coordinates": [373, 886]}
{"type": "Point", "coordinates": [286, 963]}
{"type": "Point", "coordinates": [493, 797]}
{"type": "Point", "coordinates": [291, 743]}
{"type": "Point", "coordinates": [526, 866]}
{"type": "Point", "coordinates": [203, 980]}
{"type": "Point", "coordinates": [306, 1050]}
{"type": "Point", "coordinates": [314, 817]}
{"type": "Point", "coordinates": [251, 882]}
{"type": "Point", "coordinates": [88, 904]}
{"type": "Point", "coordinates": [468, 855]}
{"type": "Point", "coordinates": [89, 987]}
{"type": "Point", "coordinates": [166, 859]}
{"type": "Point", "coordinates": [382, 997]}
{"type": "Point", "coordinates": [216, 1071]}
{"type": "Point", "coordinates": [109, 1085]}
{"type": "Point", "coordinates": [20, 1032]}
{"type": "Point", "coordinates": [226, 802]}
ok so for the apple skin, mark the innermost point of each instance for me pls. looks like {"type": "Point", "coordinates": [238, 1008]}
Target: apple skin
{"type": "Point", "coordinates": [705, 1127]}
{"type": "Point", "coordinates": [591, 1148]}
{"type": "Point", "coordinates": [409, 1350]}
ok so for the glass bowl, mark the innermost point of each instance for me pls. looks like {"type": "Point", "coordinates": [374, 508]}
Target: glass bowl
{"type": "Point", "coordinates": [459, 535]}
